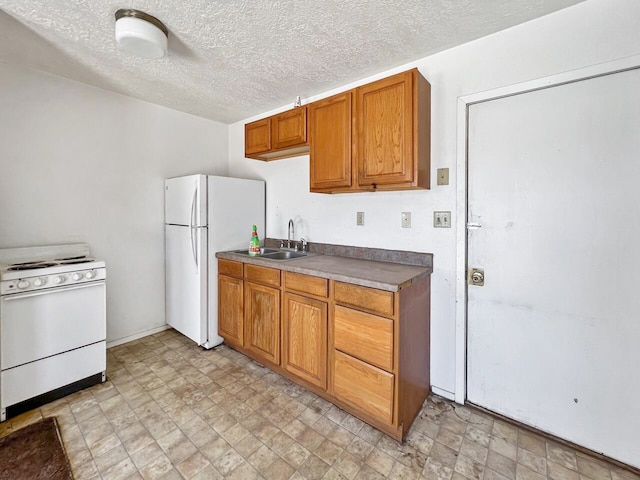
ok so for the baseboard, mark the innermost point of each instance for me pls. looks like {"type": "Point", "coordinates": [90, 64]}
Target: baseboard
{"type": "Point", "coordinates": [443, 393]}
{"type": "Point", "coordinates": [136, 336]}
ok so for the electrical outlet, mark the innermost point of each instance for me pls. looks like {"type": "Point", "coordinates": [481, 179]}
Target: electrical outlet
{"type": "Point", "coordinates": [443, 176]}
{"type": "Point", "coordinates": [406, 219]}
{"type": "Point", "coordinates": [442, 219]}
{"type": "Point", "coordinates": [360, 219]}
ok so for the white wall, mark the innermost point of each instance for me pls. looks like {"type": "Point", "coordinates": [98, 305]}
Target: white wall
{"type": "Point", "coordinates": [592, 32]}
{"type": "Point", "coordinates": [80, 164]}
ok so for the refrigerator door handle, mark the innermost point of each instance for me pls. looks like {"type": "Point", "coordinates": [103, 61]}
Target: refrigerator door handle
{"type": "Point", "coordinates": [192, 219]}
{"type": "Point", "coordinates": [194, 247]}
{"type": "Point", "coordinates": [192, 227]}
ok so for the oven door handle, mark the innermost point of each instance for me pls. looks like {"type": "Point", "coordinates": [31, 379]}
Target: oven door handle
{"type": "Point", "coordinates": [18, 296]}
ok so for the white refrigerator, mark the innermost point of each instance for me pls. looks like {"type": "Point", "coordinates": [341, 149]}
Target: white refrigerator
{"type": "Point", "coordinates": [203, 215]}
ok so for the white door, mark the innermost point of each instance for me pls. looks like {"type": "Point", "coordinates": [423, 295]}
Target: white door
{"type": "Point", "coordinates": [185, 200]}
{"type": "Point", "coordinates": [554, 333]}
{"type": "Point", "coordinates": [186, 281]}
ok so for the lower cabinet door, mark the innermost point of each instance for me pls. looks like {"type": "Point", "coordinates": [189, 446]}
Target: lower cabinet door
{"type": "Point", "coordinates": [304, 351]}
{"type": "Point", "coordinates": [262, 321]}
{"type": "Point", "coordinates": [363, 386]}
{"type": "Point", "coordinates": [231, 309]}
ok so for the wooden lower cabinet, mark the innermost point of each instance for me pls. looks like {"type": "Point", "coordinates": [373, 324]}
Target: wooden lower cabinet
{"type": "Point", "coordinates": [231, 309]}
{"type": "Point", "coordinates": [304, 349]}
{"type": "Point", "coordinates": [366, 350]}
{"type": "Point", "coordinates": [379, 353]}
{"type": "Point", "coordinates": [262, 321]}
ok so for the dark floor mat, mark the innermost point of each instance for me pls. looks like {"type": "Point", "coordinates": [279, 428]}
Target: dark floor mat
{"type": "Point", "coordinates": [34, 452]}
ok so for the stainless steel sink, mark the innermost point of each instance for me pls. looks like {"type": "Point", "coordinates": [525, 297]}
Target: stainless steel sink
{"type": "Point", "coordinates": [265, 251]}
{"type": "Point", "coordinates": [275, 254]}
{"type": "Point", "coordinates": [284, 255]}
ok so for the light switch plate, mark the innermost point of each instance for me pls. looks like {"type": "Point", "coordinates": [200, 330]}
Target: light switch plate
{"type": "Point", "coordinates": [442, 219]}
{"type": "Point", "coordinates": [406, 219]}
{"type": "Point", "coordinates": [443, 176]}
{"type": "Point", "coordinates": [360, 219]}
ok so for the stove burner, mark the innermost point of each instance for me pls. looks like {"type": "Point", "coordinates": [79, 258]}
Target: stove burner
{"type": "Point", "coordinates": [26, 263]}
{"type": "Point", "coordinates": [31, 266]}
{"type": "Point", "coordinates": [79, 260]}
{"type": "Point", "coordinates": [70, 258]}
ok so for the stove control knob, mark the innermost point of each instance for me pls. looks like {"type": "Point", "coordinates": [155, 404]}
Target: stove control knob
{"type": "Point", "coordinates": [59, 279]}
{"type": "Point", "coordinates": [76, 276]}
{"type": "Point", "coordinates": [23, 284]}
{"type": "Point", "coordinates": [38, 282]}
{"type": "Point", "coordinates": [90, 274]}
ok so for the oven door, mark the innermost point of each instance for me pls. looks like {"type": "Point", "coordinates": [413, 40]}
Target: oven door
{"type": "Point", "coordinates": [36, 325]}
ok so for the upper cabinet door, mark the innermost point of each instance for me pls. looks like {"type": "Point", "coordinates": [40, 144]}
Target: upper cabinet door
{"type": "Point", "coordinates": [257, 136]}
{"type": "Point", "coordinates": [330, 142]}
{"type": "Point", "coordinates": [289, 128]}
{"type": "Point", "coordinates": [385, 139]}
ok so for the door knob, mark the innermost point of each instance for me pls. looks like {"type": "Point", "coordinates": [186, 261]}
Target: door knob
{"type": "Point", "coordinates": [476, 277]}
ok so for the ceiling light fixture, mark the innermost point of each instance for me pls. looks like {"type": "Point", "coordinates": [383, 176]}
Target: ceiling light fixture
{"type": "Point", "coordinates": [141, 34]}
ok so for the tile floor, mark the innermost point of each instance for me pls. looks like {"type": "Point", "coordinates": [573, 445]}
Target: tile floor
{"type": "Point", "coordinates": [171, 410]}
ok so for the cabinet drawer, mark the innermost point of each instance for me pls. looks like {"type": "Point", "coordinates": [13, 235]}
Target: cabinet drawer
{"type": "Point", "coordinates": [232, 269]}
{"type": "Point", "coordinates": [364, 298]}
{"type": "Point", "coordinates": [306, 284]}
{"type": "Point", "coordinates": [264, 275]}
{"type": "Point", "coordinates": [365, 336]}
{"type": "Point", "coordinates": [364, 386]}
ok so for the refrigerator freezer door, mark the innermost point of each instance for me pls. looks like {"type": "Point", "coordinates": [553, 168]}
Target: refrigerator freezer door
{"type": "Point", "coordinates": [186, 281]}
{"type": "Point", "coordinates": [186, 201]}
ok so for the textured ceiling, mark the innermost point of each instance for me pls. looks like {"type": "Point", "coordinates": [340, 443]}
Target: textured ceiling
{"type": "Point", "coordinates": [232, 59]}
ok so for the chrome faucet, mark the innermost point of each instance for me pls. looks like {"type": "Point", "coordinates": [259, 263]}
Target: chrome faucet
{"type": "Point", "coordinates": [302, 245]}
{"type": "Point", "coordinates": [290, 233]}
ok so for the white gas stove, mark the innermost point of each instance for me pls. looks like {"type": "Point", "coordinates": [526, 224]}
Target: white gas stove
{"type": "Point", "coordinates": [52, 324]}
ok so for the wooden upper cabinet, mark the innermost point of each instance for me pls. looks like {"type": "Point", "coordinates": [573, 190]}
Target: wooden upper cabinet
{"type": "Point", "coordinates": [257, 137]}
{"type": "Point", "coordinates": [330, 142]}
{"type": "Point", "coordinates": [392, 131]}
{"type": "Point", "coordinates": [279, 136]}
{"type": "Point", "coordinates": [384, 124]}
{"type": "Point", "coordinates": [376, 137]}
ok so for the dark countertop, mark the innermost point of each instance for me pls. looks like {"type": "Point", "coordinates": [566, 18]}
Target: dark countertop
{"type": "Point", "coordinates": [383, 275]}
